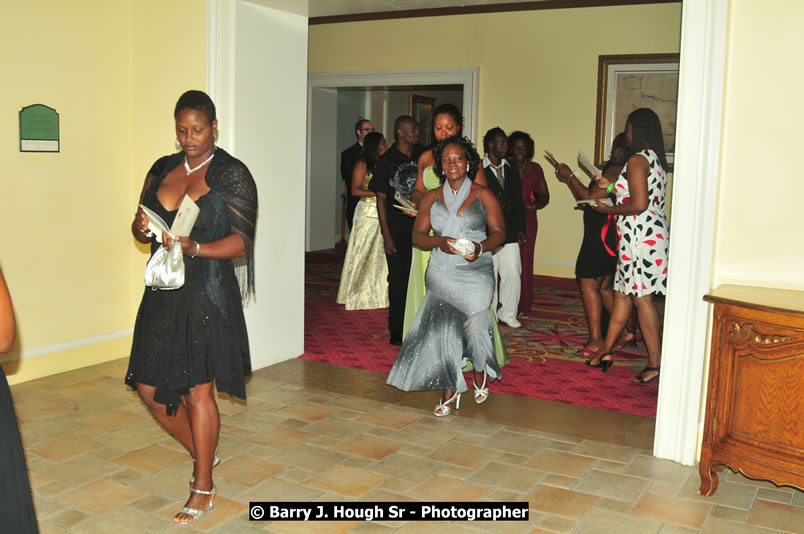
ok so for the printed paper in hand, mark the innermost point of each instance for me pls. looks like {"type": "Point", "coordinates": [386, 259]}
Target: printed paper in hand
{"type": "Point", "coordinates": [182, 224]}
{"type": "Point", "coordinates": [587, 165]}
{"type": "Point", "coordinates": [595, 202]}
{"type": "Point", "coordinates": [404, 204]}
{"type": "Point", "coordinates": [551, 158]}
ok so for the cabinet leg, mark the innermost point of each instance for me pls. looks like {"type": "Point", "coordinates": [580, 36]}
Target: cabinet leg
{"type": "Point", "coordinates": [709, 478]}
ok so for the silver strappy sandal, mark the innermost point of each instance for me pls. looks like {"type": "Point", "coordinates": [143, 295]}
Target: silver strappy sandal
{"type": "Point", "coordinates": [192, 512]}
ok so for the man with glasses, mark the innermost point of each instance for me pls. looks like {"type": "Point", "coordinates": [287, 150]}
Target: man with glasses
{"type": "Point", "coordinates": [349, 158]}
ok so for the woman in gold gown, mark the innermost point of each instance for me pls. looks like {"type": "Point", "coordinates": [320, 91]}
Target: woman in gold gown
{"type": "Point", "coordinates": [364, 283]}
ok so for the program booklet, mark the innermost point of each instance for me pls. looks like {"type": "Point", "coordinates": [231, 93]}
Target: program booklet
{"type": "Point", "coordinates": [404, 204]}
{"type": "Point", "coordinates": [587, 165]}
{"type": "Point", "coordinates": [595, 202]}
{"type": "Point", "coordinates": [551, 158]}
{"type": "Point", "coordinates": [182, 224]}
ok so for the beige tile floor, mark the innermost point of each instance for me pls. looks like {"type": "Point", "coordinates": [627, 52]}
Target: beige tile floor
{"type": "Point", "coordinates": [314, 432]}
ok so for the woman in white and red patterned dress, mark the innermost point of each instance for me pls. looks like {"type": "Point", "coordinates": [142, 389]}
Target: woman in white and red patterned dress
{"type": "Point", "coordinates": [642, 233]}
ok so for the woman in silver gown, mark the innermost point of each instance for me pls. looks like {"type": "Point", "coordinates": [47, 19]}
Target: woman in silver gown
{"type": "Point", "coordinates": [453, 323]}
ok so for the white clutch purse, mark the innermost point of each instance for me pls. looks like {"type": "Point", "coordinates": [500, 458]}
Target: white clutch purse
{"type": "Point", "coordinates": [165, 269]}
{"type": "Point", "coordinates": [464, 246]}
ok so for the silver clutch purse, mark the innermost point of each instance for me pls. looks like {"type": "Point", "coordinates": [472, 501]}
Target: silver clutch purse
{"type": "Point", "coordinates": [165, 269]}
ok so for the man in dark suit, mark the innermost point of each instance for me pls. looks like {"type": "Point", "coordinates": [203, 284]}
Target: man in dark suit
{"type": "Point", "coordinates": [348, 160]}
{"type": "Point", "coordinates": [504, 181]}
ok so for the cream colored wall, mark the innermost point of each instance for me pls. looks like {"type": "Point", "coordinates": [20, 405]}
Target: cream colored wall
{"type": "Point", "coordinates": [758, 235]}
{"type": "Point", "coordinates": [66, 249]}
{"type": "Point", "coordinates": [538, 73]}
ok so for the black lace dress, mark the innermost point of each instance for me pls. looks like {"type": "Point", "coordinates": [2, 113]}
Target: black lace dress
{"type": "Point", "coordinates": [196, 334]}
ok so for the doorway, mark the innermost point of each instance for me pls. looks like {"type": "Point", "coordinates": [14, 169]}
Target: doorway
{"type": "Point", "coordinates": [335, 101]}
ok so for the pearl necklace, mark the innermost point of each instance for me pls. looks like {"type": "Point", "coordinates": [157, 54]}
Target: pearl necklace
{"type": "Point", "coordinates": [191, 171]}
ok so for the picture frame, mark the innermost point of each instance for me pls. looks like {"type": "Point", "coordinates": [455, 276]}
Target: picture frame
{"type": "Point", "coordinates": [627, 82]}
{"type": "Point", "coordinates": [421, 109]}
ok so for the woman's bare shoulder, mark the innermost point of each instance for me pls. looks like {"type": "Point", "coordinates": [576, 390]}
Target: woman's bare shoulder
{"type": "Point", "coordinates": [426, 159]}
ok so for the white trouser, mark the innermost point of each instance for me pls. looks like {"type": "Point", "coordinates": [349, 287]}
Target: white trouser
{"type": "Point", "coordinates": [508, 264]}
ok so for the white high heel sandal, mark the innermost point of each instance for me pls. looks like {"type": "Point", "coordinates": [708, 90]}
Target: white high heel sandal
{"type": "Point", "coordinates": [193, 512]}
{"type": "Point", "coordinates": [482, 392]}
{"type": "Point", "coordinates": [444, 408]}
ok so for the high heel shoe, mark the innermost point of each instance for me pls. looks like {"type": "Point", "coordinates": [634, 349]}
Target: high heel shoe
{"type": "Point", "coordinates": [630, 342]}
{"type": "Point", "coordinates": [606, 364]}
{"type": "Point", "coordinates": [638, 379]}
{"type": "Point", "coordinates": [585, 353]}
{"type": "Point", "coordinates": [194, 513]}
{"type": "Point", "coordinates": [482, 392]}
{"type": "Point", "coordinates": [597, 365]}
{"type": "Point", "coordinates": [443, 408]}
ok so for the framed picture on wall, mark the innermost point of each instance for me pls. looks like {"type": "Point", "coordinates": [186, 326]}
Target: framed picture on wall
{"type": "Point", "coordinates": [633, 81]}
{"type": "Point", "coordinates": [421, 109]}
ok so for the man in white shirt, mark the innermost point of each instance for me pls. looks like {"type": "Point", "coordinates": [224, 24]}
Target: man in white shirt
{"type": "Point", "coordinates": [504, 181]}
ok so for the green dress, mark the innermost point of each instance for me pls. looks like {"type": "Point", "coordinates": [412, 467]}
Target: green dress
{"type": "Point", "coordinates": [416, 289]}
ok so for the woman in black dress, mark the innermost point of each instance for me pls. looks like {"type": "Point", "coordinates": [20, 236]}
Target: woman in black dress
{"type": "Point", "coordinates": [17, 515]}
{"type": "Point", "coordinates": [185, 339]}
{"type": "Point", "coordinates": [597, 259]}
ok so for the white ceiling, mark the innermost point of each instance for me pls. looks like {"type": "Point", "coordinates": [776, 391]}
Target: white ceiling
{"type": "Point", "coordinates": [326, 8]}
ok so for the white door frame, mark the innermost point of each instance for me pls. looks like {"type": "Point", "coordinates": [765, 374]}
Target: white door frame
{"type": "Point", "coordinates": [701, 76]}
{"type": "Point", "coordinates": [692, 229]}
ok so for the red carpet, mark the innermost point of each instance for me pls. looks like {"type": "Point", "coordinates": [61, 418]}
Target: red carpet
{"type": "Point", "coordinates": [543, 364]}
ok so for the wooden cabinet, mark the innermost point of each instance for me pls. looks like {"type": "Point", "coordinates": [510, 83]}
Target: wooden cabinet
{"type": "Point", "coordinates": [754, 420]}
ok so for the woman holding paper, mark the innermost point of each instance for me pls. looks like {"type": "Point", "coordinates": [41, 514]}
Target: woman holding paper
{"type": "Point", "coordinates": [597, 258]}
{"type": "Point", "coordinates": [364, 284]}
{"type": "Point", "coordinates": [188, 338]}
{"type": "Point", "coordinates": [643, 235]}
{"type": "Point", "coordinates": [453, 323]}
{"type": "Point", "coordinates": [535, 196]}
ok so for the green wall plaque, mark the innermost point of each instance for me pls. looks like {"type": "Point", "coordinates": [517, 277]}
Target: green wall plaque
{"type": "Point", "coordinates": [39, 129]}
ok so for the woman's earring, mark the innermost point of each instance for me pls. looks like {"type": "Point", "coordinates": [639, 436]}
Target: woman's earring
{"type": "Point", "coordinates": [467, 168]}
{"type": "Point", "coordinates": [176, 142]}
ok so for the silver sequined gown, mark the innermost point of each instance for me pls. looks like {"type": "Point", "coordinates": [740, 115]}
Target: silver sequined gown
{"type": "Point", "coordinates": [453, 323]}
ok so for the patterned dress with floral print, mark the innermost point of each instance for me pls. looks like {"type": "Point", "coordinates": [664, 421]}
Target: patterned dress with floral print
{"type": "Point", "coordinates": [643, 238]}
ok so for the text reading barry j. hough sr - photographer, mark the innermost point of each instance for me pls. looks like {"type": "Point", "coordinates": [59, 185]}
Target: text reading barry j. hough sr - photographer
{"type": "Point", "coordinates": [384, 511]}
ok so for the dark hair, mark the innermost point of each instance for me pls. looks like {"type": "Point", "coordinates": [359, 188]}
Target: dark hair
{"type": "Point", "coordinates": [619, 142]}
{"type": "Point", "coordinates": [198, 101]}
{"type": "Point", "coordinates": [490, 135]}
{"type": "Point", "coordinates": [359, 124]}
{"type": "Point", "coordinates": [370, 152]}
{"type": "Point", "coordinates": [472, 157]}
{"type": "Point", "coordinates": [646, 133]}
{"type": "Point", "coordinates": [451, 110]}
{"type": "Point", "coordinates": [530, 147]}
{"type": "Point", "coordinates": [402, 119]}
